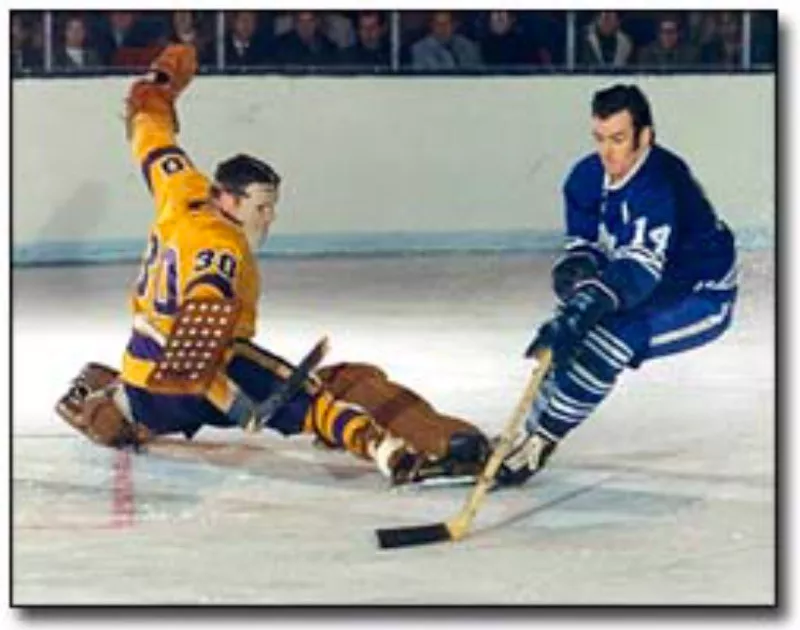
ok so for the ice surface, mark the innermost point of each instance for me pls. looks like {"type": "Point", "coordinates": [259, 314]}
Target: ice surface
{"type": "Point", "coordinates": [665, 496]}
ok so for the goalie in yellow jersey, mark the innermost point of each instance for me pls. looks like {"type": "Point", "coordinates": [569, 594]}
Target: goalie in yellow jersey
{"type": "Point", "coordinates": [202, 247]}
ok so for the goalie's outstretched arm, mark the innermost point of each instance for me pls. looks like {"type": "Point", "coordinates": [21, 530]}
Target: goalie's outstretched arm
{"type": "Point", "coordinates": [152, 125]}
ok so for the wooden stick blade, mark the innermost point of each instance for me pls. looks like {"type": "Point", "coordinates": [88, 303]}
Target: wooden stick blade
{"type": "Point", "coordinates": [412, 536]}
{"type": "Point", "coordinates": [457, 527]}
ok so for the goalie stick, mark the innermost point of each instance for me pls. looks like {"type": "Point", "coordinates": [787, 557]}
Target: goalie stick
{"type": "Point", "coordinates": [265, 410]}
{"type": "Point", "coordinates": [456, 528]}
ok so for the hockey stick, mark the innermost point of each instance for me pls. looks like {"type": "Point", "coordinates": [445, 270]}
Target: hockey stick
{"type": "Point", "coordinates": [265, 410]}
{"type": "Point", "coordinates": [456, 527]}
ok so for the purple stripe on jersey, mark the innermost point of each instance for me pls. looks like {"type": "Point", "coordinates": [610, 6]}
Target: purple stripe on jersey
{"type": "Point", "coordinates": [143, 347]}
{"type": "Point", "coordinates": [171, 260]}
{"type": "Point", "coordinates": [215, 280]}
{"type": "Point", "coordinates": [156, 155]}
{"type": "Point", "coordinates": [341, 423]}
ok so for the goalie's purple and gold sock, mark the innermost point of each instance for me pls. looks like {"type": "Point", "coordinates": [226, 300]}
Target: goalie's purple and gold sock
{"type": "Point", "coordinates": [342, 424]}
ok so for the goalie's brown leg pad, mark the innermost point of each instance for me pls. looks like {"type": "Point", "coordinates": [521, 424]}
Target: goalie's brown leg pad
{"type": "Point", "coordinates": [396, 408]}
{"type": "Point", "coordinates": [340, 378]}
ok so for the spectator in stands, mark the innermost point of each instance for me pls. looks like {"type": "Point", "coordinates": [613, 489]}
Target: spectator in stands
{"type": "Point", "coordinates": [764, 37]}
{"type": "Point", "coordinates": [185, 28]}
{"type": "Point", "coordinates": [244, 43]}
{"type": "Point", "coordinates": [114, 34]}
{"type": "Point", "coordinates": [443, 48]}
{"type": "Point", "coordinates": [147, 36]}
{"type": "Point", "coordinates": [24, 55]}
{"type": "Point", "coordinates": [305, 44]}
{"type": "Point", "coordinates": [668, 51]}
{"type": "Point", "coordinates": [413, 27]}
{"type": "Point", "coordinates": [702, 28]}
{"type": "Point", "coordinates": [549, 32]}
{"type": "Point", "coordinates": [372, 47]}
{"type": "Point", "coordinates": [725, 49]}
{"type": "Point", "coordinates": [641, 27]}
{"type": "Point", "coordinates": [74, 53]}
{"type": "Point", "coordinates": [338, 28]}
{"type": "Point", "coordinates": [605, 44]}
{"type": "Point", "coordinates": [507, 44]}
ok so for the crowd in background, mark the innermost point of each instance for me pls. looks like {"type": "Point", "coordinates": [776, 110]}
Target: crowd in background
{"type": "Point", "coordinates": [407, 41]}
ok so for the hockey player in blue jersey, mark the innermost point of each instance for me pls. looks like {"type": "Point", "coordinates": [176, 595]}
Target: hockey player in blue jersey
{"type": "Point", "coordinates": [648, 270]}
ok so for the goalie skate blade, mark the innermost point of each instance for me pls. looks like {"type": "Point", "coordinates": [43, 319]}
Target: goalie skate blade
{"type": "Point", "coordinates": [434, 483]}
{"type": "Point", "coordinates": [411, 536]}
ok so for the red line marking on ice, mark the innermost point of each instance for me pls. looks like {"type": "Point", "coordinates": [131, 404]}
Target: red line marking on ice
{"type": "Point", "coordinates": [123, 507]}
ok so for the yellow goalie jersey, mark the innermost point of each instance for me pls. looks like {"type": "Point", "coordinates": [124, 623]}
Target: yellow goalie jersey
{"type": "Point", "coordinates": [193, 250]}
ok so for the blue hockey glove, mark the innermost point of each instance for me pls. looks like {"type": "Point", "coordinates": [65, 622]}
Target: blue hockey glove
{"type": "Point", "coordinates": [563, 334]}
{"type": "Point", "coordinates": [571, 269]}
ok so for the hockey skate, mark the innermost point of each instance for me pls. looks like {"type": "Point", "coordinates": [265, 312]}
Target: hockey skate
{"type": "Point", "coordinates": [463, 463]}
{"type": "Point", "coordinates": [525, 459]}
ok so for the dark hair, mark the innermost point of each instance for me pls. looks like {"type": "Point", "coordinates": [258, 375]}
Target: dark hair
{"type": "Point", "coordinates": [370, 13]}
{"type": "Point", "coordinates": [238, 172]}
{"type": "Point", "coordinates": [619, 98]}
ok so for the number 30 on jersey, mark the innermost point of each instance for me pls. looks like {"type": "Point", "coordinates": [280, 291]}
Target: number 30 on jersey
{"type": "Point", "coordinates": [159, 277]}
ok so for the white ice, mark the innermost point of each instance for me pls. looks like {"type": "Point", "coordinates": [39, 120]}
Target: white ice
{"type": "Point", "coordinates": [665, 496]}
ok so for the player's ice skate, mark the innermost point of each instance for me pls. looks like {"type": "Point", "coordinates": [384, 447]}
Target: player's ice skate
{"type": "Point", "coordinates": [527, 457]}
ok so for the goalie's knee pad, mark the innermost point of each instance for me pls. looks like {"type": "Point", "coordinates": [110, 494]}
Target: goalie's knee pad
{"type": "Point", "coordinates": [342, 378]}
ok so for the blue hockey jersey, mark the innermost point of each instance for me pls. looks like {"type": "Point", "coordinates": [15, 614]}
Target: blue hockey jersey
{"type": "Point", "coordinates": [654, 230]}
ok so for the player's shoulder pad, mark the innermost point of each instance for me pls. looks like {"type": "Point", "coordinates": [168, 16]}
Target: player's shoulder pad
{"type": "Point", "coordinates": [652, 193]}
{"type": "Point", "coordinates": [218, 253]}
{"type": "Point", "coordinates": [669, 167]}
{"type": "Point", "coordinates": [657, 175]}
{"type": "Point", "coordinates": [218, 229]}
{"type": "Point", "coordinates": [587, 171]}
{"type": "Point", "coordinates": [212, 233]}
